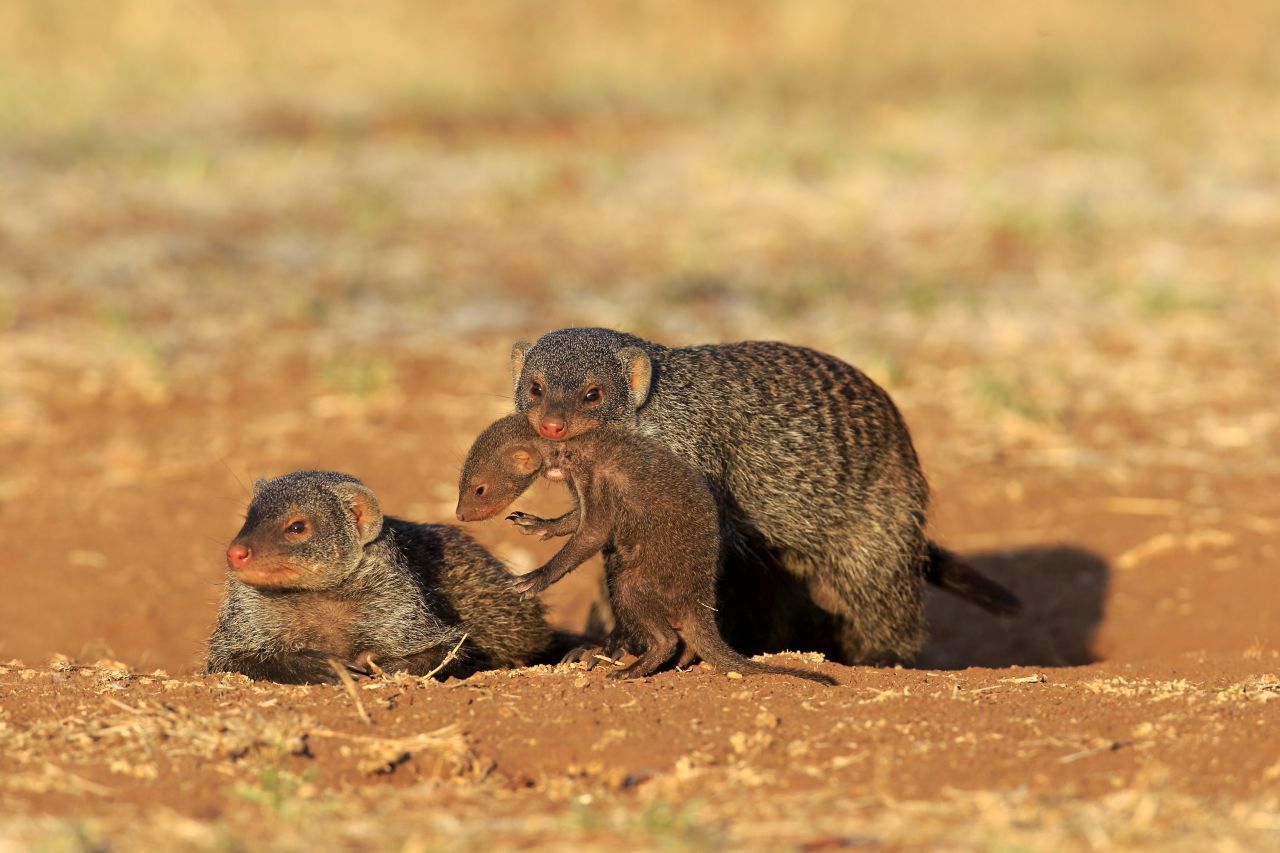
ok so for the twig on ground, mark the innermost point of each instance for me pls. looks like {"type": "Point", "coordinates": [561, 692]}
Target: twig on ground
{"type": "Point", "coordinates": [1110, 746]}
{"type": "Point", "coordinates": [349, 685]}
{"type": "Point", "coordinates": [452, 654]}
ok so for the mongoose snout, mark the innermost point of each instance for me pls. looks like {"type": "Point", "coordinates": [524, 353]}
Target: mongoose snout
{"type": "Point", "coordinates": [254, 572]}
{"type": "Point", "coordinates": [552, 427]}
{"type": "Point", "coordinates": [238, 556]}
{"type": "Point", "coordinates": [475, 511]}
{"type": "Point", "coordinates": [251, 569]}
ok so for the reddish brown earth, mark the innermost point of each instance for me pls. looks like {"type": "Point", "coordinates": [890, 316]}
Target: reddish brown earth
{"type": "Point", "coordinates": [1133, 692]}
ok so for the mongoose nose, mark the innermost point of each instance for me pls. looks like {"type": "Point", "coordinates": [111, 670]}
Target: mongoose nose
{"type": "Point", "coordinates": [552, 427]}
{"type": "Point", "coordinates": [238, 556]}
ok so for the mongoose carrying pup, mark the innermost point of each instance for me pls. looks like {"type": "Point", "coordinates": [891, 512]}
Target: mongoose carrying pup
{"type": "Point", "coordinates": [319, 573]}
{"type": "Point", "coordinates": [809, 460]}
{"type": "Point", "coordinates": [654, 511]}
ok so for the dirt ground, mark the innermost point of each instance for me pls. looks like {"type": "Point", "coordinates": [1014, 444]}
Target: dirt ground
{"type": "Point", "coordinates": [1051, 236]}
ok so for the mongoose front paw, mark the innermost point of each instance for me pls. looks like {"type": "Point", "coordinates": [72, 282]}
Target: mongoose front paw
{"type": "Point", "coordinates": [530, 584]}
{"type": "Point", "coordinates": [582, 654]}
{"type": "Point", "coordinates": [365, 666]}
{"type": "Point", "coordinates": [532, 524]}
{"type": "Point", "coordinates": [623, 674]}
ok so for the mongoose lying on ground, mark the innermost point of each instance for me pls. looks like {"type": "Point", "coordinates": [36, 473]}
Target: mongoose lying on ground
{"type": "Point", "coordinates": [653, 510]}
{"type": "Point", "coordinates": [809, 460]}
{"type": "Point", "coordinates": [317, 572]}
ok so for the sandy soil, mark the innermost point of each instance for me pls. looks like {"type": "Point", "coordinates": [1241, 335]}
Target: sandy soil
{"type": "Point", "coordinates": [1134, 696]}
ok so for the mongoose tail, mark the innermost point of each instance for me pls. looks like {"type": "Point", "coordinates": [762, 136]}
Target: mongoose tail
{"type": "Point", "coordinates": [704, 638]}
{"type": "Point", "coordinates": [946, 570]}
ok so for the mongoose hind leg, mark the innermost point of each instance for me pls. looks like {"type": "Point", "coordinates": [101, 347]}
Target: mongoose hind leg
{"type": "Point", "coordinates": [612, 647]}
{"type": "Point", "coordinates": [879, 621]}
{"type": "Point", "coordinates": [687, 655]}
{"type": "Point", "coordinates": [660, 647]}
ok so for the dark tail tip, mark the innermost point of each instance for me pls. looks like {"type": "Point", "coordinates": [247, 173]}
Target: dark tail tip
{"type": "Point", "coordinates": [794, 672]}
{"type": "Point", "coordinates": [957, 577]}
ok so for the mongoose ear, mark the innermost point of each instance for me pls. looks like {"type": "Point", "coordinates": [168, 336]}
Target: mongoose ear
{"type": "Point", "coordinates": [257, 486]}
{"type": "Point", "coordinates": [639, 373]}
{"type": "Point", "coordinates": [518, 350]}
{"type": "Point", "coordinates": [526, 460]}
{"type": "Point", "coordinates": [364, 508]}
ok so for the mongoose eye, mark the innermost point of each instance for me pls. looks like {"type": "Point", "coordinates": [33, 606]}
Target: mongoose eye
{"type": "Point", "coordinates": [535, 389]}
{"type": "Point", "coordinates": [479, 490]}
{"type": "Point", "coordinates": [297, 528]}
{"type": "Point", "coordinates": [592, 395]}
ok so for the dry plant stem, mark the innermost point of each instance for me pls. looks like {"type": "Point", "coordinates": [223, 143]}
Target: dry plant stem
{"type": "Point", "coordinates": [1085, 753]}
{"type": "Point", "coordinates": [452, 654]}
{"type": "Point", "coordinates": [349, 684]}
{"type": "Point", "coordinates": [441, 733]}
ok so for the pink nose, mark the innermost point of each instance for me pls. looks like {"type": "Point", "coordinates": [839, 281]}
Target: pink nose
{"type": "Point", "coordinates": [238, 556]}
{"type": "Point", "coordinates": [552, 428]}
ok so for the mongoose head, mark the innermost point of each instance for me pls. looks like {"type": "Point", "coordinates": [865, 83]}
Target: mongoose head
{"type": "Point", "coordinates": [501, 465]}
{"type": "Point", "coordinates": [573, 380]}
{"type": "Point", "coordinates": [305, 530]}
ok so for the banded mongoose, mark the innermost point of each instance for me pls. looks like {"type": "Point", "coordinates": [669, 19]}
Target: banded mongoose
{"type": "Point", "coordinates": [810, 462]}
{"type": "Point", "coordinates": [652, 509]}
{"type": "Point", "coordinates": [318, 572]}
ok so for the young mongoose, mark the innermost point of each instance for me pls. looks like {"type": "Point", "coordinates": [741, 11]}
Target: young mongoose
{"type": "Point", "coordinates": [634, 496]}
{"type": "Point", "coordinates": [319, 573]}
{"type": "Point", "coordinates": [811, 464]}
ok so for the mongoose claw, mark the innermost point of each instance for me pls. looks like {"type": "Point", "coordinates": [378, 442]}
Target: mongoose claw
{"type": "Point", "coordinates": [582, 654]}
{"type": "Point", "coordinates": [623, 674]}
{"type": "Point", "coordinates": [530, 584]}
{"type": "Point", "coordinates": [530, 524]}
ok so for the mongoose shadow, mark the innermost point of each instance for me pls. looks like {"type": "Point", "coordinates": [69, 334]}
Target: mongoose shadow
{"type": "Point", "coordinates": [1064, 591]}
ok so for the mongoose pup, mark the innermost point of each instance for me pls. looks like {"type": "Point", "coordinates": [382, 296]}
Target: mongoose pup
{"type": "Point", "coordinates": [319, 573]}
{"type": "Point", "coordinates": [811, 464]}
{"type": "Point", "coordinates": [651, 508]}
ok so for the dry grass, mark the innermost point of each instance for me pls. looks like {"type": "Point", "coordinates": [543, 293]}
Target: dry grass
{"type": "Point", "coordinates": [276, 769]}
{"type": "Point", "coordinates": [1040, 193]}
{"type": "Point", "coordinates": [239, 238]}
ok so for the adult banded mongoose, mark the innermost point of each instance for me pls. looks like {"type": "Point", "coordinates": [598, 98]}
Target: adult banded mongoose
{"type": "Point", "coordinates": [318, 572]}
{"type": "Point", "coordinates": [811, 464]}
{"type": "Point", "coordinates": [651, 508]}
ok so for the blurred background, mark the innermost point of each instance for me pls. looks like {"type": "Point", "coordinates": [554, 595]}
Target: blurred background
{"type": "Point", "coordinates": [240, 238]}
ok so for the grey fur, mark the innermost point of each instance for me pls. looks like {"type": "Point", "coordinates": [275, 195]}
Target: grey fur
{"type": "Point", "coordinates": [812, 466]}
{"type": "Point", "coordinates": [365, 585]}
